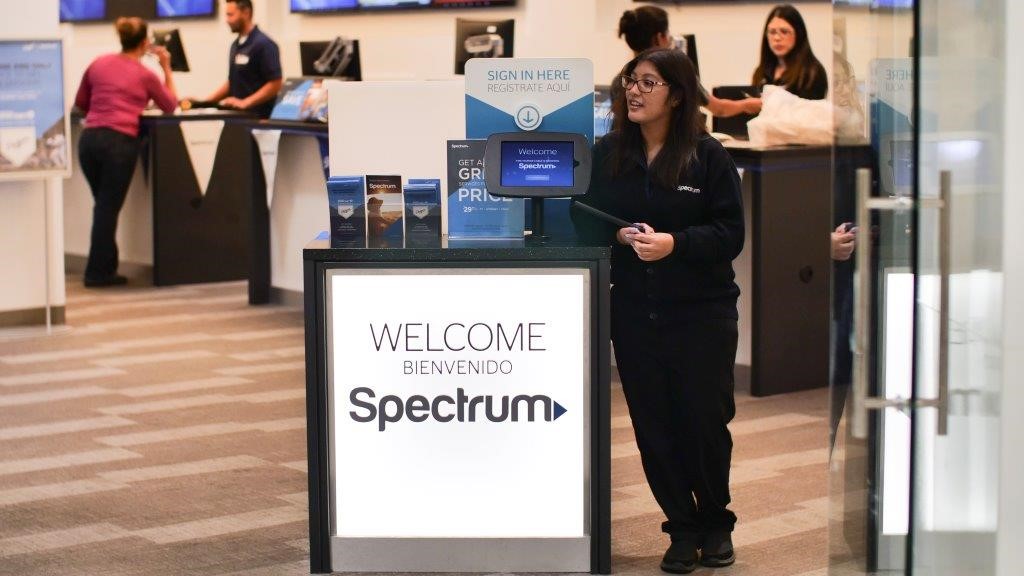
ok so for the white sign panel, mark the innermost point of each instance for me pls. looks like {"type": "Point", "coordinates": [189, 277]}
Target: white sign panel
{"type": "Point", "coordinates": [201, 140]}
{"type": "Point", "coordinates": [268, 142]}
{"type": "Point", "coordinates": [458, 402]}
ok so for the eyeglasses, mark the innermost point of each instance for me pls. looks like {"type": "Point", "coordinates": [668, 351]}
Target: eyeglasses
{"type": "Point", "coordinates": [644, 85]}
{"type": "Point", "coordinates": [784, 32]}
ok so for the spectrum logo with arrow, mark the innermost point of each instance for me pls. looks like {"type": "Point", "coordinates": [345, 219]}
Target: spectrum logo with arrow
{"type": "Point", "coordinates": [391, 409]}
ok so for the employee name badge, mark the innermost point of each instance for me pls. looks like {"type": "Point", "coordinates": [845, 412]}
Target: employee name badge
{"type": "Point", "coordinates": [529, 94]}
{"type": "Point", "coordinates": [241, 59]}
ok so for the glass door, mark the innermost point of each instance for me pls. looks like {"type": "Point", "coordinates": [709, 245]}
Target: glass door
{"type": "Point", "coordinates": [917, 307]}
{"type": "Point", "coordinates": [957, 354]}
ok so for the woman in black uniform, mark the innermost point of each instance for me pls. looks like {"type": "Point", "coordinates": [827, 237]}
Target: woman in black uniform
{"type": "Point", "coordinates": [786, 56]}
{"type": "Point", "coordinates": [674, 299]}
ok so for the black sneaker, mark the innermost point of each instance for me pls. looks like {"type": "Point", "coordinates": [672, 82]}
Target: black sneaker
{"type": "Point", "coordinates": [717, 550]}
{"type": "Point", "coordinates": [681, 557]}
{"type": "Point", "coordinates": [112, 280]}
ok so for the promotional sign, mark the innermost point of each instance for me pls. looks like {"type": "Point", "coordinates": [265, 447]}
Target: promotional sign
{"type": "Point", "coordinates": [527, 94]}
{"type": "Point", "coordinates": [33, 126]}
{"type": "Point", "coordinates": [512, 94]}
{"type": "Point", "coordinates": [302, 99]}
{"type": "Point", "coordinates": [454, 417]}
{"type": "Point", "coordinates": [472, 212]}
{"type": "Point", "coordinates": [201, 140]}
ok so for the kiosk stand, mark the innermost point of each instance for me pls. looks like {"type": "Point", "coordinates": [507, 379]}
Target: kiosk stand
{"type": "Point", "coordinates": [458, 408]}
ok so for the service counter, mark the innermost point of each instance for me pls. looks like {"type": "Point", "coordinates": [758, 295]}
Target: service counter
{"type": "Point", "coordinates": [186, 217]}
{"type": "Point", "coordinates": [200, 172]}
{"type": "Point", "coordinates": [458, 411]}
{"type": "Point", "coordinates": [785, 268]}
{"type": "Point", "coordinates": [289, 198]}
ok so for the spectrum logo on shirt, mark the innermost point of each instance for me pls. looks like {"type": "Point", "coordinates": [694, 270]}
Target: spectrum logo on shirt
{"type": "Point", "coordinates": [690, 189]}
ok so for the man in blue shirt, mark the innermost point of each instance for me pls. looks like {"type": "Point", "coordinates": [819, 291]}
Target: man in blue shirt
{"type": "Point", "coordinates": [254, 73]}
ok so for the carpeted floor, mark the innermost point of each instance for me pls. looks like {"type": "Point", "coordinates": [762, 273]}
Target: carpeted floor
{"type": "Point", "coordinates": [164, 433]}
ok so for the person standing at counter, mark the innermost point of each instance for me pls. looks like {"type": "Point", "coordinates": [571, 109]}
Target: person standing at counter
{"type": "Point", "coordinates": [114, 90]}
{"type": "Point", "coordinates": [673, 313]}
{"type": "Point", "coordinates": [787, 59]}
{"type": "Point", "coordinates": [646, 27]}
{"type": "Point", "coordinates": [254, 64]}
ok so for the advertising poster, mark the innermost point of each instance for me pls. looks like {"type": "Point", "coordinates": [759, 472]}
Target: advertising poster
{"type": "Point", "coordinates": [472, 212]}
{"type": "Point", "coordinates": [454, 417]}
{"type": "Point", "coordinates": [33, 128]}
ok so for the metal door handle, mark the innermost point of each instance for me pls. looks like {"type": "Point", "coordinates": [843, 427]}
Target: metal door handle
{"type": "Point", "coordinates": [861, 403]}
{"type": "Point", "coordinates": [945, 223]}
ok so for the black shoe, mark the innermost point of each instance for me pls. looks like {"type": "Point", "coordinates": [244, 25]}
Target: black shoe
{"type": "Point", "coordinates": [681, 557]}
{"type": "Point", "coordinates": [717, 550]}
{"type": "Point", "coordinates": [112, 280]}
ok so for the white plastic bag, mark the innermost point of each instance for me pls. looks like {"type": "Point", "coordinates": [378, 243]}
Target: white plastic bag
{"type": "Point", "coordinates": [788, 119]}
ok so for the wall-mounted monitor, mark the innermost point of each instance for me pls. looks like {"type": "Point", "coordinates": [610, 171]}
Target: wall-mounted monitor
{"type": "Point", "coordinates": [323, 5]}
{"type": "Point", "coordinates": [171, 40]}
{"type": "Point", "coordinates": [315, 6]}
{"type": "Point", "coordinates": [185, 8]}
{"type": "Point", "coordinates": [482, 39]}
{"type": "Point", "coordinates": [471, 3]}
{"type": "Point", "coordinates": [83, 10]}
{"type": "Point", "coordinates": [338, 58]}
{"type": "Point", "coordinates": [687, 44]}
{"type": "Point", "coordinates": [375, 4]}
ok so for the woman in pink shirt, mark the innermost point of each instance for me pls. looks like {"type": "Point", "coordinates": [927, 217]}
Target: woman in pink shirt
{"type": "Point", "coordinates": [114, 91]}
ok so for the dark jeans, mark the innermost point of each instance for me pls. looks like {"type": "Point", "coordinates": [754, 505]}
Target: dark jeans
{"type": "Point", "coordinates": [108, 161]}
{"type": "Point", "coordinates": [678, 383]}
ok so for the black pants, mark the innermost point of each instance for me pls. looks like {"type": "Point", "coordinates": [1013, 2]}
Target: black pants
{"type": "Point", "coordinates": [108, 161]}
{"type": "Point", "coordinates": [678, 383]}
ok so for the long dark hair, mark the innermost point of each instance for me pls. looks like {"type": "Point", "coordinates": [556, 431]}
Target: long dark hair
{"type": "Point", "coordinates": [802, 68]}
{"type": "Point", "coordinates": [685, 126]}
{"type": "Point", "coordinates": [641, 25]}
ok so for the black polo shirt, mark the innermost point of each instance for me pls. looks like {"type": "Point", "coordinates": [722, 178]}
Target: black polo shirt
{"type": "Point", "coordinates": [251, 65]}
{"type": "Point", "coordinates": [704, 214]}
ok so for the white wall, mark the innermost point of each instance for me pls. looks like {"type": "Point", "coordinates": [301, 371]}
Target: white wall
{"type": "Point", "coordinates": [1009, 553]}
{"type": "Point", "coordinates": [22, 215]}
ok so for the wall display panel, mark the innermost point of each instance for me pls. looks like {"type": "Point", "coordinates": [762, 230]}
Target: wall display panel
{"type": "Point", "coordinates": [82, 10]}
{"type": "Point", "coordinates": [323, 5]}
{"type": "Point", "coordinates": [314, 6]}
{"type": "Point", "coordinates": [185, 8]}
{"type": "Point", "coordinates": [471, 4]}
{"type": "Point", "coordinates": [33, 123]}
{"type": "Point", "coordinates": [375, 4]}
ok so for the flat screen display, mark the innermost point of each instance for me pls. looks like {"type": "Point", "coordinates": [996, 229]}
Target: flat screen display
{"type": "Point", "coordinates": [323, 5]}
{"type": "Point", "coordinates": [537, 164]}
{"type": "Point", "coordinates": [471, 3]}
{"type": "Point", "coordinates": [82, 10]}
{"type": "Point", "coordinates": [184, 8]}
{"type": "Point", "coordinates": [346, 5]}
{"type": "Point", "coordinates": [393, 3]}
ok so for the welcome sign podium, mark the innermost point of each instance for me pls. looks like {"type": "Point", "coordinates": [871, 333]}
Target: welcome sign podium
{"type": "Point", "coordinates": [458, 408]}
